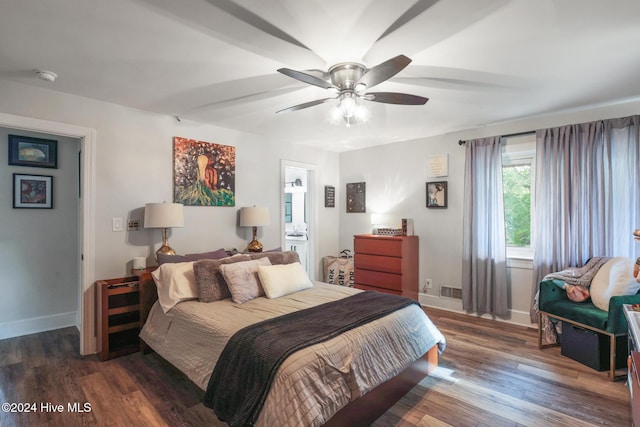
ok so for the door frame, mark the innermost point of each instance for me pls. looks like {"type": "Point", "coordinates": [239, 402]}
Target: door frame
{"type": "Point", "coordinates": [86, 257]}
{"type": "Point", "coordinates": [313, 241]}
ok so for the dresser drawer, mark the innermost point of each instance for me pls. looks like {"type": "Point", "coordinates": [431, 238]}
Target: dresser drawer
{"type": "Point", "coordinates": [373, 288]}
{"type": "Point", "coordinates": [377, 246]}
{"type": "Point", "coordinates": [378, 263]}
{"type": "Point", "coordinates": [378, 279]}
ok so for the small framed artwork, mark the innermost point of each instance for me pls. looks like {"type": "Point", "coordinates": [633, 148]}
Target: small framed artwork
{"type": "Point", "coordinates": [437, 194]}
{"type": "Point", "coordinates": [329, 196]}
{"type": "Point", "coordinates": [356, 197]}
{"type": "Point", "coordinates": [32, 191]}
{"type": "Point", "coordinates": [35, 152]}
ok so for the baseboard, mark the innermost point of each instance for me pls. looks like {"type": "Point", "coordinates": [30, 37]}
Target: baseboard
{"type": "Point", "coordinates": [451, 304]}
{"type": "Point", "coordinates": [38, 324]}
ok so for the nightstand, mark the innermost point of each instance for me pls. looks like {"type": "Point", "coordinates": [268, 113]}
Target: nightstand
{"type": "Point", "coordinates": [118, 302]}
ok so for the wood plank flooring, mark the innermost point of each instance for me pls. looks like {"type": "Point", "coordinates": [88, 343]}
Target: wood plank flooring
{"type": "Point", "coordinates": [491, 374]}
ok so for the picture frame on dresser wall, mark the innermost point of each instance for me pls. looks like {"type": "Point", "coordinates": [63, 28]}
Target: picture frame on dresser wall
{"type": "Point", "coordinates": [32, 191]}
{"type": "Point", "coordinates": [437, 194]}
{"type": "Point", "coordinates": [33, 152]}
{"type": "Point", "coordinates": [357, 197]}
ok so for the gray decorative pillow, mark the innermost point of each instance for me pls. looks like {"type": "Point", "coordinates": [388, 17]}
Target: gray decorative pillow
{"type": "Point", "coordinates": [211, 284]}
{"type": "Point", "coordinates": [288, 257]}
{"type": "Point", "coordinates": [242, 279]}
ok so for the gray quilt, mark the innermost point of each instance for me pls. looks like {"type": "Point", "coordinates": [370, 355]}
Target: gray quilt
{"type": "Point", "coordinates": [242, 377]}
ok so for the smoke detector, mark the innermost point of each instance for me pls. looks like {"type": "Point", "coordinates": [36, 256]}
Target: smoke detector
{"type": "Point", "coordinates": [45, 75]}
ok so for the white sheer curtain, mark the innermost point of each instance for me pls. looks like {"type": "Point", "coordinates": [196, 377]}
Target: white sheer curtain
{"type": "Point", "coordinates": [587, 194]}
{"type": "Point", "coordinates": [484, 268]}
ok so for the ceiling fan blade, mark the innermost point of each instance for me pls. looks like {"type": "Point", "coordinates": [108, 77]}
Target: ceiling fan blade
{"type": "Point", "coordinates": [306, 105]}
{"type": "Point", "coordinates": [395, 98]}
{"type": "Point", "coordinates": [306, 78]}
{"type": "Point", "coordinates": [384, 71]}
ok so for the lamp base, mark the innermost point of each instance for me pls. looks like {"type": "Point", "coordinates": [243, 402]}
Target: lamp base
{"type": "Point", "coordinates": [165, 250]}
{"type": "Point", "coordinates": [254, 246]}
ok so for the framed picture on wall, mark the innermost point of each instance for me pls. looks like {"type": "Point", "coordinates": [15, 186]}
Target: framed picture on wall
{"type": "Point", "coordinates": [437, 194]}
{"type": "Point", "coordinates": [356, 197]}
{"type": "Point", "coordinates": [204, 173]}
{"type": "Point", "coordinates": [329, 196]}
{"type": "Point", "coordinates": [35, 152]}
{"type": "Point", "coordinates": [32, 191]}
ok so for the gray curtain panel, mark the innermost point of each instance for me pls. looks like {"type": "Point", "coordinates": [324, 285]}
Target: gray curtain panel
{"type": "Point", "coordinates": [587, 200]}
{"type": "Point", "coordinates": [484, 263]}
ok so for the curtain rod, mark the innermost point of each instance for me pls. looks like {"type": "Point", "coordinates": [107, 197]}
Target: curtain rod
{"type": "Point", "coordinates": [462, 142]}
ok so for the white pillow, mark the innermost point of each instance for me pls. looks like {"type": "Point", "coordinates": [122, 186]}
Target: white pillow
{"type": "Point", "coordinates": [175, 283]}
{"type": "Point", "coordinates": [614, 278]}
{"type": "Point", "coordinates": [283, 279]}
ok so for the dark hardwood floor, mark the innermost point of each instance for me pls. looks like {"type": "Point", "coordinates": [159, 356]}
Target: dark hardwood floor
{"type": "Point", "coordinates": [491, 374]}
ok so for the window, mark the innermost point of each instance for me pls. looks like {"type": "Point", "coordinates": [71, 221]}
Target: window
{"type": "Point", "coordinates": [288, 209]}
{"type": "Point", "coordinates": [518, 182]}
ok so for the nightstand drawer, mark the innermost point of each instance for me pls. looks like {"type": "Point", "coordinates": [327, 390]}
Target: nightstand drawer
{"type": "Point", "coordinates": [379, 246]}
{"type": "Point", "coordinates": [378, 263]}
{"type": "Point", "coordinates": [378, 279]}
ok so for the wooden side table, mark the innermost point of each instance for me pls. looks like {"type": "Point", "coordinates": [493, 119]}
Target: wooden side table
{"type": "Point", "coordinates": [119, 316]}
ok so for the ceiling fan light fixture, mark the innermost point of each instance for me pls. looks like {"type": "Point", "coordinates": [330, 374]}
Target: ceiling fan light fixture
{"type": "Point", "coordinates": [335, 115]}
{"type": "Point", "coordinates": [348, 110]}
{"type": "Point", "coordinates": [349, 80]}
{"type": "Point", "coordinates": [362, 113]}
{"type": "Point", "coordinates": [348, 104]}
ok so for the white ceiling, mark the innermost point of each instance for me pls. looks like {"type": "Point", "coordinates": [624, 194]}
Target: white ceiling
{"type": "Point", "coordinates": [479, 61]}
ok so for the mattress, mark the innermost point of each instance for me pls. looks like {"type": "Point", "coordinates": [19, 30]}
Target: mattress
{"type": "Point", "coordinates": [313, 383]}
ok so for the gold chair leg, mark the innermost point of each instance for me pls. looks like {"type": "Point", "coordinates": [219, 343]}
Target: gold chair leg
{"type": "Point", "coordinates": [612, 358]}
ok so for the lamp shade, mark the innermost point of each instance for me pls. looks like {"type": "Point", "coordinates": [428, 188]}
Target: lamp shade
{"type": "Point", "coordinates": [163, 215]}
{"type": "Point", "coordinates": [254, 217]}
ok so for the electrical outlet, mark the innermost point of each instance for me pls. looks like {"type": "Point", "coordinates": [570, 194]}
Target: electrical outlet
{"type": "Point", "coordinates": [428, 283]}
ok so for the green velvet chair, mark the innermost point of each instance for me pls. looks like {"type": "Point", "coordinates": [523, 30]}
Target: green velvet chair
{"type": "Point", "coordinates": [553, 301]}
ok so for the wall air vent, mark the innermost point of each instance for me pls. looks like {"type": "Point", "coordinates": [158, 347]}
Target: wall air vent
{"type": "Point", "coordinates": [449, 292]}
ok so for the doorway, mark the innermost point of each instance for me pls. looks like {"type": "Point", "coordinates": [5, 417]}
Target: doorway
{"type": "Point", "coordinates": [86, 215]}
{"type": "Point", "coordinates": [298, 219]}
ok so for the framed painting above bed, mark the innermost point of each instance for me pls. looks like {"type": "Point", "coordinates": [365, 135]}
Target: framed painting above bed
{"type": "Point", "coordinates": [203, 173]}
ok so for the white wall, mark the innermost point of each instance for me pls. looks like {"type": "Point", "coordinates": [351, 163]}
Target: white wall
{"type": "Point", "coordinates": [134, 167]}
{"type": "Point", "coordinates": [39, 247]}
{"type": "Point", "coordinates": [395, 177]}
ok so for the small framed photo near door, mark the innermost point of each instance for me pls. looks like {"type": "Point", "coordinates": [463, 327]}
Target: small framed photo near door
{"type": "Point", "coordinates": [437, 194]}
{"type": "Point", "coordinates": [34, 152]}
{"type": "Point", "coordinates": [32, 191]}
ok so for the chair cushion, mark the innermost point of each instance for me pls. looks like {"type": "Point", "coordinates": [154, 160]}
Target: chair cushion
{"type": "Point", "coordinates": [582, 312]}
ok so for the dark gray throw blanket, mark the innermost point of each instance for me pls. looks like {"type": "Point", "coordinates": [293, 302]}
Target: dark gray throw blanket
{"type": "Point", "coordinates": [247, 366]}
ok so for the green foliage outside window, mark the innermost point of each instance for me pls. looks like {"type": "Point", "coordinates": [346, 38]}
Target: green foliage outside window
{"type": "Point", "coordinates": [516, 183]}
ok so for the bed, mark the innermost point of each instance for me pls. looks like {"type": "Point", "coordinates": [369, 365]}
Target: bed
{"type": "Point", "coordinates": [350, 379]}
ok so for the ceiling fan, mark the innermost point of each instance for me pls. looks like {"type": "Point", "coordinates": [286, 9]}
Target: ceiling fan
{"type": "Point", "coordinates": [350, 81]}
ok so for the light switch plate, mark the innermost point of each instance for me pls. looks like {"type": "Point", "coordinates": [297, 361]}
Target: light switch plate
{"type": "Point", "coordinates": [116, 224]}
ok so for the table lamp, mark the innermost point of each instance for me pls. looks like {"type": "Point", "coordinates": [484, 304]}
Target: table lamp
{"type": "Point", "coordinates": [254, 217]}
{"type": "Point", "coordinates": [164, 216]}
